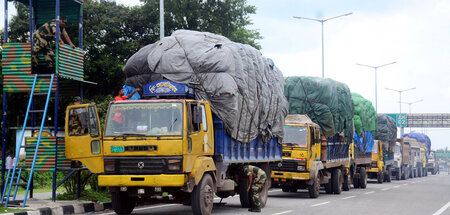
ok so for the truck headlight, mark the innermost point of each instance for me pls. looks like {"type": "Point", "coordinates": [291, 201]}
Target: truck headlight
{"type": "Point", "coordinates": [174, 165]}
{"type": "Point", "coordinates": [110, 166]}
{"type": "Point", "coordinates": [301, 168]}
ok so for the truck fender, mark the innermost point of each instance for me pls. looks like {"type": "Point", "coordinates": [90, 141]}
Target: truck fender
{"type": "Point", "coordinates": [202, 165]}
{"type": "Point", "coordinates": [316, 166]}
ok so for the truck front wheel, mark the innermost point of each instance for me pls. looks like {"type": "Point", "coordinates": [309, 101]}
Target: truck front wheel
{"type": "Point", "coordinates": [314, 188]}
{"type": "Point", "coordinates": [122, 204]}
{"type": "Point", "coordinates": [202, 198]}
{"type": "Point", "coordinates": [346, 183]}
{"type": "Point", "coordinates": [380, 177]}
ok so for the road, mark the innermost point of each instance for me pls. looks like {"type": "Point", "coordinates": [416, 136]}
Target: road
{"type": "Point", "coordinates": [418, 196]}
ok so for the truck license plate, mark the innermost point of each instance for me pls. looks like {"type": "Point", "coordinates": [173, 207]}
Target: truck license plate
{"type": "Point", "coordinates": [117, 149]}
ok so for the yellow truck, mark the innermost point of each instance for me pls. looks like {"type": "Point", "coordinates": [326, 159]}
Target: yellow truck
{"type": "Point", "coordinates": [311, 160]}
{"type": "Point", "coordinates": [160, 150]}
{"type": "Point", "coordinates": [377, 169]}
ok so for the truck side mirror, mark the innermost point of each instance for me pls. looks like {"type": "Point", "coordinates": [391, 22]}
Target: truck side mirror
{"type": "Point", "coordinates": [197, 115]}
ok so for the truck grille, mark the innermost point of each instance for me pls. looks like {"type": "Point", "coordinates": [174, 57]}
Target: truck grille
{"type": "Point", "coordinates": [139, 165]}
{"type": "Point", "coordinates": [287, 165]}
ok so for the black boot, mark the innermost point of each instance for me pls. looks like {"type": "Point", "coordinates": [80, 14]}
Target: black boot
{"type": "Point", "coordinates": [255, 210]}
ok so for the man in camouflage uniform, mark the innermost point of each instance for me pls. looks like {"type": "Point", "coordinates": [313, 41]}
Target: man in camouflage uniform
{"type": "Point", "coordinates": [257, 179]}
{"type": "Point", "coordinates": [43, 40]}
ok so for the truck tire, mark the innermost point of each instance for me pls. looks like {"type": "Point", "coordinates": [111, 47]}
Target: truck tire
{"type": "Point", "coordinates": [380, 177]}
{"type": "Point", "coordinates": [264, 195]}
{"type": "Point", "coordinates": [329, 187]}
{"type": "Point", "coordinates": [314, 189]}
{"type": "Point", "coordinates": [388, 176]}
{"type": "Point", "coordinates": [244, 196]}
{"type": "Point", "coordinates": [404, 173]}
{"type": "Point", "coordinates": [346, 183]}
{"type": "Point", "coordinates": [363, 178]}
{"type": "Point", "coordinates": [419, 172]}
{"type": "Point", "coordinates": [121, 203]}
{"type": "Point", "coordinates": [202, 198]}
{"type": "Point", "coordinates": [397, 174]}
{"type": "Point", "coordinates": [336, 181]}
{"type": "Point", "coordinates": [356, 181]}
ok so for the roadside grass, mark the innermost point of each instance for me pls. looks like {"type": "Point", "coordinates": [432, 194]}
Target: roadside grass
{"type": "Point", "coordinates": [87, 195]}
{"type": "Point", "coordinates": [9, 210]}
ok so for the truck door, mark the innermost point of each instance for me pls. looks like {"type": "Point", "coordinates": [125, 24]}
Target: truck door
{"type": "Point", "coordinates": [83, 137]}
{"type": "Point", "coordinates": [198, 140]}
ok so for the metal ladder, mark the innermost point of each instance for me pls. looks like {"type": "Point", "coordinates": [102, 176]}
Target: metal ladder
{"type": "Point", "coordinates": [15, 177]}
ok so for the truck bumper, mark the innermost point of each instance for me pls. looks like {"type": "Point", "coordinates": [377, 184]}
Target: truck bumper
{"type": "Point", "coordinates": [282, 176]}
{"type": "Point", "coordinates": [374, 170]}
{"type": "Point", "coordinates": [175, 180]}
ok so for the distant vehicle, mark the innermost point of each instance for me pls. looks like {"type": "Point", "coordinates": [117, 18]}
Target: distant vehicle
{"type": "Point", "coordinates": [432, 165]}
{"type": "Point", "coordinates": [402, 168]}
{"type": "Point", "coordinates": [311, 160]}
{"type": "Point", "coordinates": [378, 169]}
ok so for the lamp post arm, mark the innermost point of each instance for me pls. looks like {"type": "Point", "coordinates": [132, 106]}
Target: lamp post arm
{"type": "Point", "coordinates": [347, 14]}
{"type": "Point", "coordinates": [300, 17]}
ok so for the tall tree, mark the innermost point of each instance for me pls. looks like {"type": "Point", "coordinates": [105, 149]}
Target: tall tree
{"type": "Point", "coordinates": [229, 18]}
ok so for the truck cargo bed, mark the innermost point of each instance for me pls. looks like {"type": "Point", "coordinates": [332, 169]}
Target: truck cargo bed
{"type": "Point", "coordinates": [233, 151]}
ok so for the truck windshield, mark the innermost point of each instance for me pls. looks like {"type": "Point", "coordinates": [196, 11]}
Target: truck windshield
{"type": "Point", "coordinates": [144, 119]}
{"type": "Point", "coordinates": [295, 136]}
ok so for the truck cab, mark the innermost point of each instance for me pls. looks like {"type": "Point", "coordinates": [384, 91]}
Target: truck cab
{"type": "Point", "coordinates": [376, 170]}
{"type": "Point", "coordinates": [167, 147]}
{"type": "Point", "coordinates": [432, 164]}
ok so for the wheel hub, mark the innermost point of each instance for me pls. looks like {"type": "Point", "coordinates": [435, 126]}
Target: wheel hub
{"type": "Point", "coordinates": [209, 195]}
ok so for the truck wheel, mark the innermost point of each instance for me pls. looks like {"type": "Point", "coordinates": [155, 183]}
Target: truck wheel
{"type": "Point", "coordinates": [122, 204]}
{"type": "Point", "coordinates": [397, 174]}
{"type": "Point", "coordinates": [202, 198]}
{"type": "Point", "coordinates": [380, 177]}
{"type": "Point", "coordinates": [388, 176]}
{"type": "Point", "coordinates": [314, 189]}
{"type": "Point", "coordinates": [346, 183]}
{"type": "Point", "coordinates": [363, 178]}
{"type": "Point", "coordinates": [263, 196]}
{"type": "Point", "coordinates": [244, 196]}
{"type": "Point", "coordinates": [336, 181]}
{"type": "Point", "coordinates": [419, 172]}
{"type": "Point", "coordinates": [356, 181]}
{"type": "Point", "coordinates": [329, 187]}
{"type": "Point", "coordinates": [404, 175]}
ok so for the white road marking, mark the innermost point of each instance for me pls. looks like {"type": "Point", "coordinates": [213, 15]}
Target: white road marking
{"type": "Point", "coordinates": [405, 184]}
{"type": "Point", "coordinates": [320, 204]}
{"type": "Point", "coordinates": [387, 188]}
{"type": "Point", "coordinates": [441, 210]}
{"type": "Point", "coordinates": [284, 212]}
{"type": "Point", "coordinates": [270, 191]}
{"type": "Point", "coordinates": [369, 192]}
{"type": "Point", "coordinates": [397, 186]}
{"type": "Point", "coordinates": [349, 197]}
{"type": "Point", "coordinates": [414, 182]}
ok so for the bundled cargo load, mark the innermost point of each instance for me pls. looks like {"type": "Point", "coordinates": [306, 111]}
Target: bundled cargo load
{"type": "Point", "coordinates": [244, 88]}
{"type": "Point", "coordinates": [387, 129]}
{"type": "Point", "coordinates": [365, 117]}
{"type": "Point", "coordinates": [421, 138]}
{"type": "Point", "coordinates": [327, 102]}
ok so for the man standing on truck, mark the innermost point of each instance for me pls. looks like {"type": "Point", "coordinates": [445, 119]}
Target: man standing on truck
{"type": "Point", "coordinates": [256, 181]}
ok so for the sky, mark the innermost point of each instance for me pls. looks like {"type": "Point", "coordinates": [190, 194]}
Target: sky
{"type": "Point", "coordinates": [413, 33]}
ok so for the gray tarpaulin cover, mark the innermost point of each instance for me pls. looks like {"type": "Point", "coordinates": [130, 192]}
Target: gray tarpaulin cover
{"type": "Point", "coordinates": [387, 129]}
{"type": "Point", "coordinates": [327, 102]}
{"type": "Point", "coordinates": [244, 88]}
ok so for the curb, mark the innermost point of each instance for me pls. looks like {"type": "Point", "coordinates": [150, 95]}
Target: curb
{"type": "Point", "coordinates": [68, 209]}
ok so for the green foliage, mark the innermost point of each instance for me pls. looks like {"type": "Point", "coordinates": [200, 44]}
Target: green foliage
{"type": "Point", "coordinates": [88, 195]}
{"type": "Point", "coordinates": [19, 28]}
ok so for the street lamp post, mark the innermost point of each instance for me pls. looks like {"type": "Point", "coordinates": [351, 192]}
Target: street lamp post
{"type": "Point", "coordinates": [322, 21]}
{"type": "Point", "coordinates": [375, 68]}
{"type": "Point", "coordinates": [161, 19]}
{"type": "Point", "coordinates": [409, 104]}
{"type": "Point", "coordinates": [400, 102]}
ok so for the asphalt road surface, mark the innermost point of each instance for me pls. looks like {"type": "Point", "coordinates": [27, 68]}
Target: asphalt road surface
{"type": "Point", "coordinates": [419, 196]}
